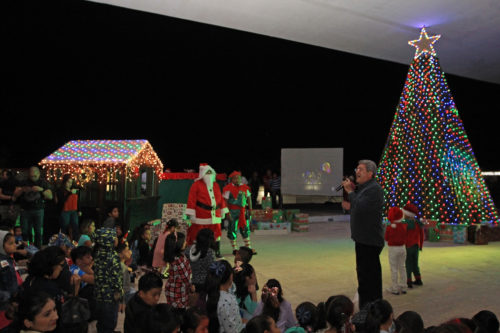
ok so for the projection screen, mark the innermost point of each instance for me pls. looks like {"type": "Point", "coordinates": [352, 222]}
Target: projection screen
{"type": "Point", "coordinates": [311, 171]}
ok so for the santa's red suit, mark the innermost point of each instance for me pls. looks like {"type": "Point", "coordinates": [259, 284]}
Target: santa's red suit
{"type": "Point", "coordinates": [206, 206]}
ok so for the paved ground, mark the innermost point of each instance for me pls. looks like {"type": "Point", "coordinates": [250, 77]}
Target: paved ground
{"type": "Point", "coordinates": [459, 280]}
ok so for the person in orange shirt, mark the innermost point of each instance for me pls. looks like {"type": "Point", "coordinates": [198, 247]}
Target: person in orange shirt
{"type": "Point", "coordinates": [67, 202]}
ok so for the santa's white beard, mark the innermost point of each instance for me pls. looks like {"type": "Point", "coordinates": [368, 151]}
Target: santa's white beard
{"type": "Point", "coordinates": [209, 180]}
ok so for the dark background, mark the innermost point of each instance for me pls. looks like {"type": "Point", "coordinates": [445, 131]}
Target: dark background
{"type": "Point", "coordinates": [199, 93]}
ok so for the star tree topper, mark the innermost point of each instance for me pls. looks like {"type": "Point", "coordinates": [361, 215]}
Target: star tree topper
{"type": "Point", "coordinates": [424, 43]}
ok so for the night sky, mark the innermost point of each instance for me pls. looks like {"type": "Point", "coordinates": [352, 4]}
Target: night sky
{"type": "Point", "coordinates": [199, 93]}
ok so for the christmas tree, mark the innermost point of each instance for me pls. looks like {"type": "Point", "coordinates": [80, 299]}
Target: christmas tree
{"type": "Point", "coordinates": [428, 159]}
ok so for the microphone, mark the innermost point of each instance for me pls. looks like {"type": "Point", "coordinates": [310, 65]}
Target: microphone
{"type": "Point", "coordinates": [338, 188]}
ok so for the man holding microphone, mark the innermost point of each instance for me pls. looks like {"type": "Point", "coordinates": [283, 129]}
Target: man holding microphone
{"type": "Point", "coordinates": [366, 206]}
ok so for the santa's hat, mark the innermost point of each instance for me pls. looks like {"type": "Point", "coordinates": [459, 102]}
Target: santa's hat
{"type": "Point", "coordinates": [204, 167]}
{"type": "Point", "coordinates": [234, 174]}
{"type": "Point", "coordinates": [395, 215]}
{"type": "Point", "coordinates": [410, 209]}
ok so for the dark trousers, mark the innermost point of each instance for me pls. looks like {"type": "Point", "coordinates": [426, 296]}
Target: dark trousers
{"type": "Point", "coordinates": [67, 220]}
{"type": "Point", "coordinates": [412, 262]}
{"type": "Point", "coordinates": [369, 273]}
{"type": "Point", "coordinates": [107, 316]}
{"type": "Point", "coordinates": [274, 194]}
{"type": "Point", "coordinates": [32, 219]}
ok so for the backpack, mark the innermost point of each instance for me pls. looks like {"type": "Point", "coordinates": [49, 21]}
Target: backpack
{"type": "Point", "coordinates": [75, 313]}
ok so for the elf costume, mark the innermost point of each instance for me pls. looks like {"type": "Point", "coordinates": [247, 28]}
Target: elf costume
{"type": "Point", "coordinates": [414, 243]}
{"type": "Point", "coordinates": [238, 196]}
{"type": "Point", "coordinates": [205, 206]}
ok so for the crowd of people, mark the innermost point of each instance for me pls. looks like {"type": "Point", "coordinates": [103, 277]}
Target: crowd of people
{"type": "Point", "coordinates": [114, 273]}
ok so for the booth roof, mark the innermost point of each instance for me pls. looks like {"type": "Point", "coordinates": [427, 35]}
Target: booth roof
{"type": "Point", "coordinates": [97, 151]}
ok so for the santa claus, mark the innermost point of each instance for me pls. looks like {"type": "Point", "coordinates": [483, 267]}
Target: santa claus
{"type": "Point", "coordinates": [205, 207]}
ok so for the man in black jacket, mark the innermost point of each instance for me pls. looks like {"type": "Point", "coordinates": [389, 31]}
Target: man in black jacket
{"type": "Point", "coordinates": [366, 205]}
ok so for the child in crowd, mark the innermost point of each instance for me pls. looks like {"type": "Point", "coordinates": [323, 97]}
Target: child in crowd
{"type": "Point", "coordinates": [108, 278]}
{"type": "Point", "coordinates": [162, 319]}
{"type": "Point", "coordinates": [243, 254]}
{"type": "Point", "coordinates": [141, 251]}
{"type": "Point", "coordinates": [261, 324]}
{"type": "Point", "coordinates": [159, 248]}
{"type": "Point", "coordinates": [307, 317]}
{"type": "Point", "coordinates": [486, 322]}
{"type": "Point", "coordinates": [87, 233]}
{"type": "Point", "coordinates": [195, 320]}
{"type": "Point", "coordinates": [64, 242]}
{"type": "Point", "coordinates": [246, 292]}
{"type": "Point", "coordinates": [10, 281]}
{"type": "Point", "coordinates": [113, 214]}
{"type": "Point", "coordinates": [274, 305]}
{"type": "Point", "coordinates": [83, 266]}
{"type": "Point", "coordinates": [379, 317]}
{"type": "Point", "coordinates": [23, 249]}
{"type": "Point", "coordinates": [414, 243]}
{"type": "Point", "coordinates": [142, 303]}
{"type": "Point", "coordinates": [339, 310]}
{"type": "Point", "coordinates": [395, 235]}
{"type": "Point", "coordinates": [410, 322]}
{"type": "Point", "coordinates": [201, 255]}
{"type": "Point", "coordinates": [125, 255]}
{"type": "Point", "coordinates": [222, 307]}
{"type": "Point", "coordinates": [178, 285]}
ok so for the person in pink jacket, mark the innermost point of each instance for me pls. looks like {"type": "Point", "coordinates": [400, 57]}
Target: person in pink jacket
{"type": "Point", "coordinates": [159, 249]}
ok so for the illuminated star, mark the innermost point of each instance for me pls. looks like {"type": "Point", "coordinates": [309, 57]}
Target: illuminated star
{"type": "Point", "coordinates": [424, 44]}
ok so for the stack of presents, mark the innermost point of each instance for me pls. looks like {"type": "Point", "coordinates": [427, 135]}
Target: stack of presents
{"type": "Point", "coordinates": [478, 234]}
{"type": "Point", "coordinates": [169, 211]}
{"type": "Point", "coordinates": [279, 219]}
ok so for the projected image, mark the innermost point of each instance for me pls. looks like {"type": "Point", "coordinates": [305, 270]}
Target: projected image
{"type": "Point", "coordinates": [326, 167]}
{"type": "Point", "coordinates": [311, 171]}
{"type": "Point", "coordinates": [313, 179]}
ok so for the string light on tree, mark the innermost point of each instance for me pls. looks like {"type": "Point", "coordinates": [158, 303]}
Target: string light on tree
{"type": "Point", "coordinates": [428, 159]}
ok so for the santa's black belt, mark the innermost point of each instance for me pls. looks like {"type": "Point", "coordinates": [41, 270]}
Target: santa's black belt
{"type": "Point", "coordinates": [207, 207]}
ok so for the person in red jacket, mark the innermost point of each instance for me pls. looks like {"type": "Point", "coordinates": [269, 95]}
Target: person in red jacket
{"type": "Point", "coordinates": [414, 243]}
{"type": "Point", "coordinates": [205, 207]}
{"type": "Point", "coordinates": [395, 235]}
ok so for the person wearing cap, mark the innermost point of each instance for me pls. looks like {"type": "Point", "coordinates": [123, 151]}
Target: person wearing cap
{"type": "Point", "coordinates": [414, 243]}
{"type": "Point", "coordinates": [205, 206]}
{"type": "Point", "coordinates": [366, 204]}
{"type": "Point", "coordinates": [238, 197]}
{"type": "Point", "coordinates": [395, 235]}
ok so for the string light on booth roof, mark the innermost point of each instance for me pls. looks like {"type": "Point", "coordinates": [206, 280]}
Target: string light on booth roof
{"type": "Point", "coordinates": [428, 158]}
{"type": "Point", "coordinates": [101, 160]}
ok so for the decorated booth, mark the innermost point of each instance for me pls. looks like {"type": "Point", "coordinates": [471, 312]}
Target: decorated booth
{"type": "Point", "coordinates": [125, 173]}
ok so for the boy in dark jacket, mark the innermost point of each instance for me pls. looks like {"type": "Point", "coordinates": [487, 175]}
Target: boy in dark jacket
{"type": "Point", "coordinates": [108, 279]}
{"type": "Point", "coordinates": [143, 302]}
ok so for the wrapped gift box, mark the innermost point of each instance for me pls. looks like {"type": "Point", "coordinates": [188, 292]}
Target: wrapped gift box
{"type": "Point", "coordinates": [290, 214]}
{"type": "Point", "coordinates": [459, 234]}
{"type": "Point", "coordinates": [174, 211]}
{"type": "Point", "coordinates": [445, 232]}
{"type": "Point", "coordinates": [300, 227]}
{"type": "Point", "coordinates": [266, 203]}
{"type": "Point", "coordinates": [262, 215]}
{"type": "Point", "coordinates": [278, 216]}
{"type": "Point", "coordinates": [275, 226]}
{"type": "Point", "coordinates": [433, 235]}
